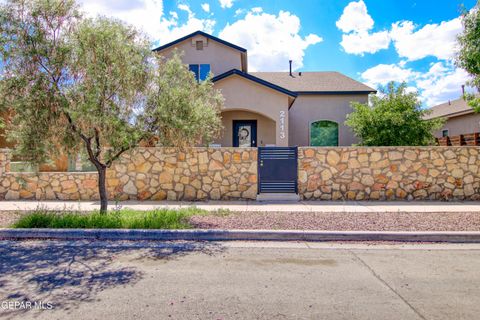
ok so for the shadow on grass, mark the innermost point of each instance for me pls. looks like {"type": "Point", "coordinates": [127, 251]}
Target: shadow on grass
{"type": "Point", "coordinates": [67, 274]}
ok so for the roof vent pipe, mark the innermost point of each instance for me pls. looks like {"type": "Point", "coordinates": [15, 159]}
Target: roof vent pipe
{"type": "Point", "coordinates": [290, 61]}
{"type": "Point", "coordinates": [463, 91]}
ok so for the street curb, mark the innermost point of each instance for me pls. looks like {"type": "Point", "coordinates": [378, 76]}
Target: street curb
{"type": "Point", "coordinates": [239, 235]}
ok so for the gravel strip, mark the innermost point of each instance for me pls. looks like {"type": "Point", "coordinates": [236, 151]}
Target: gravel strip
{"type": "Point", "coordinates": [374, 221]}
{"type": "Point", "coordinates": [390, 221]}
{"type": "Point", "coordinates": [7, 218]}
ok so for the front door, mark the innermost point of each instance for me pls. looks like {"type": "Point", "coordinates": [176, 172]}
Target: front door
{"type": "Point", "coordinates": [244, 133]}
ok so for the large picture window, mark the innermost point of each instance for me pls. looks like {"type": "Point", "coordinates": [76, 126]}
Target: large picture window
{"type": "Point", "coordinates": [200, 71]}
{"type": "Point", "coordinates": [324, 133]}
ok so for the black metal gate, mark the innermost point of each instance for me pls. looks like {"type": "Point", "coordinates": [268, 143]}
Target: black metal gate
{"type": "Point", "coordinates": [277, 169]}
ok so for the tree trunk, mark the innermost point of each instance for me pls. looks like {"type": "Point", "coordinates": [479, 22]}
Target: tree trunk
{"type": "Point", "coordinates": [102, 188]}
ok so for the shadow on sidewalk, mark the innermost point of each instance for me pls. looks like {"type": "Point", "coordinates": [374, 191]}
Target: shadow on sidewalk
{"type": "Point", "coordinates": [67, 274]}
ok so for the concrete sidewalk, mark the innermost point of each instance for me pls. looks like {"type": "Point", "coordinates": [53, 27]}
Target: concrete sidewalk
{"type": "Point", "coordinates": [254, 206]}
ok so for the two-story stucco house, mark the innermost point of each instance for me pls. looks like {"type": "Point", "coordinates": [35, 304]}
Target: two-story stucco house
{"type": "Point", "coordinates": [271, 108]}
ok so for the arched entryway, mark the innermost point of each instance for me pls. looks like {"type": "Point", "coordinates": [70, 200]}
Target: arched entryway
{"type": "Point", "coordinates": [246, 127]}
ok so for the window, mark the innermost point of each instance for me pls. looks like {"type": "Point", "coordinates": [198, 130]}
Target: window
{"type": "Point", "coordinates": [324, 133]}
{"type": "Point", "coordinates": [200, 71]}
{"type": "Point", "coordinates": [199, 45]}
{"type": "Point", "coordinates": [445, 133]}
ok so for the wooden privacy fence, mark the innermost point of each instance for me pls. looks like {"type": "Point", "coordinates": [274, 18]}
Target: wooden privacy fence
{"type": "Point", "coordinates": [470, 139]}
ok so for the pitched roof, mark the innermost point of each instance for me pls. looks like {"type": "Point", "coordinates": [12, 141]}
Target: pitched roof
{"type": "Point", "coordinates": [251, 77]}
{"type": "Point", "coordinates": [449, 109]}
{"type": "Point", "coordinates": [315, 82]}
{"type": "Point", "coordinates": [201, 33]}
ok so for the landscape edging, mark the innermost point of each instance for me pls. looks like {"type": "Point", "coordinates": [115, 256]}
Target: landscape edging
{"type": "Point", "coordinates": [239, 235]}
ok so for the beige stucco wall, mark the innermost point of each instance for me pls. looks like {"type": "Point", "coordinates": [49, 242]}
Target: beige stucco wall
{"type": "Point", "coordinates": [265, 127]}
{"type": "Point", "coordinates": [245, 95]}
{"type": "Point", "coordinates": [468, 123]}
{"type": "Point", "coordinates": [310, 108]}
{"type": "Point", "coordinates": [220, 57]}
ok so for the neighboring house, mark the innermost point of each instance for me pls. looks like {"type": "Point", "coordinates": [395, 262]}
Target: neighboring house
{"type": "Point", "coordinates": [271, 108]}
{"type": "Point", "coordinates": [460, 118]}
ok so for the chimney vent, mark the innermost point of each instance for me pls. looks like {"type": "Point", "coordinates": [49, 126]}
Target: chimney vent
{"type": "Point", "coordinates": [290, 61]}
{"type": "Point", "coordinates": [300, 73]}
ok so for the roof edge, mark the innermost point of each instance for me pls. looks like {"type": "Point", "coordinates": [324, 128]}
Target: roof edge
{"type": "Point", "coordinates": [335, 92]}
{"type": "Point", "coordinates": [452, 115]}
{"type": "Point", "coordinates": [254, 79]}
{"type": "Point", "coordinates": [198, 32]}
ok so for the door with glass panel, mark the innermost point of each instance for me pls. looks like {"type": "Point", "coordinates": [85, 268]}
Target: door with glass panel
{"type": "Point", "coordinates": [244, 133]}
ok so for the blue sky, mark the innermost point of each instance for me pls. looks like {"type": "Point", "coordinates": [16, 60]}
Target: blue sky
{"type": "Point", "coordinates": [373, 41]}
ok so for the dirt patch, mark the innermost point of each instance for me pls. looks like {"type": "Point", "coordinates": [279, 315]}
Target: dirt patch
{"type": "Point", "coordinates": [342, 221]}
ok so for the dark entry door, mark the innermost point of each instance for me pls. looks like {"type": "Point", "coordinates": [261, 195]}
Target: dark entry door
{"type": "Point", "coordinates": [277, 170]}
{"type": "Point", "coordinates": [244, 133]}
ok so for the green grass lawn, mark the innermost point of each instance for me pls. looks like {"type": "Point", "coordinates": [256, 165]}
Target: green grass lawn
{"type": "Point", "coordinates": [121, 219]}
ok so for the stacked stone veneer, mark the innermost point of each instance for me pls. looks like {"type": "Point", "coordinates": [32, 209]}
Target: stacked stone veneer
{"type": "Point", "coordinates": [146, 174]}
{"type": "Point", "coordinates": [389, 173]}
{"type": "Point", "coordinates": [353, 173]}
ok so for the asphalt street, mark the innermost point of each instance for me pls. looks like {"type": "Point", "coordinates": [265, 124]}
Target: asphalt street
{"type": "Point", "coordinates": [238, 280]}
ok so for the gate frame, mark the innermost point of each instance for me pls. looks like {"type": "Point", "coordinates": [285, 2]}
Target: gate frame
{"type": "Point", "coordinates": [258, 167]}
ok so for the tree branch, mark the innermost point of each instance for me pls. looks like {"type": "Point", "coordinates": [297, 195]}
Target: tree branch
{"type": "Point", "coordinates": [115, 157]}
{"type": "Point", "coordinates": [97, 142]}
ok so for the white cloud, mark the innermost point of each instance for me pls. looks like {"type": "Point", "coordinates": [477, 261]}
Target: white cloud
{"type": "Point", "coordinates": [206, 7]}
{"type": "Point", "coordinates": [185, 8]}
{"type": "Point", "coordinates": [239, 12]}
{"type": "Point", "coordinates": [143, 14]}
{"type": "Point", "coordinates": [382, 74]}
{"type": "Point", "coordinates": [438, 40]}
{"type": "Point", "coordinates": [148, 15]}
{"type": "Point", "coordinates": [355, 18]}
{"type": "Point", "coordinates": [364, 42]}
{"type": "Point", "coordinates": [226, 3]}
{"type": "Point", "coordinates": [355, 22]}
{"type": "Point", "coordinates": [271, 40]}
{"type": "Point", "coordinates": [442, 82]}
{"type": "Point", "coordinates": [170, 29]}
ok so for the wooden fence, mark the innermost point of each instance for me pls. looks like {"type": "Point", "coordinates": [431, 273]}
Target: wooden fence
{"type": "Point", "coordinates": [469, 139]}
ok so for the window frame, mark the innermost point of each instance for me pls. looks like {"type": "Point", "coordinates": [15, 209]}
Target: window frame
{"type": "Point", "coordinates": [198, 74]}
{"type": "Point", "coordinates": [448, 133]}
{"type": "Point", "coordinates": [310, 133]}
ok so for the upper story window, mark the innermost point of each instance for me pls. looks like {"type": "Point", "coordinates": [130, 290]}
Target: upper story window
{"type": "Point", "coordinates": [445, 133]}
{"type": "Point", "coordinates": [200, 71]}
{"type": "Point", "coordinates": [199, 45]}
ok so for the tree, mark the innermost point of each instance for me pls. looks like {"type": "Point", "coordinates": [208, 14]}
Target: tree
{"type": "Point", "coordinates": [180, 110]}
{"type": "Point", "coordinates": [91, 85]}
{"type": "Point", "coordinates": [395, 118]}
{"type": "Point", "coordinates": [468, 56]}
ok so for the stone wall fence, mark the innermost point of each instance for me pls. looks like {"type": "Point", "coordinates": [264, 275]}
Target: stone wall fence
{"type": "Point", "coordinates": [389, 173]}
{"type": "Point", "coordinates": [145, 174]}
{"type": "Point", "coordinates": [336, 173]}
